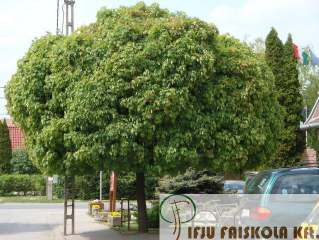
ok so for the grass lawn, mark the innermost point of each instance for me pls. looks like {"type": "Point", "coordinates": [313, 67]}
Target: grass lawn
{"type": "Point", "coordinates": [28, 199]}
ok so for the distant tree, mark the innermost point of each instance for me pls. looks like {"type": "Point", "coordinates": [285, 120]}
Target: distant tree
{"type": "Point", "coordinates": [21, 163]}
{"type": "Point", "coordinates": [309, 78]}
{"type": "Point", "coordinates": [258, 46]}
{"type": "Point", "coordinates": [283, 64]}
{"type": "Point", "coordinates": [308, 75]}
{"type": "Point", "coordinates": [5, 147]}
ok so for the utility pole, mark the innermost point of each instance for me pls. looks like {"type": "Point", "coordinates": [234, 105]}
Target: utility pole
{"type": "Point", "coordinates": [113, 190]}
{"type": "Point", "coordinates": [69, 16]}
{"type": "Point", "coordinates": [49, 188]}
{"type": "Point", "coordinates": [69, 181]}
{"type": "Point", "coordinates": [101, 185]}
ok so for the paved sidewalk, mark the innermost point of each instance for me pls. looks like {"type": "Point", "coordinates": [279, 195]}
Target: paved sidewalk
{"type": "Point", "coordinates": [87, 228]}
{"type": "Point", "coordinates": [27, 221]}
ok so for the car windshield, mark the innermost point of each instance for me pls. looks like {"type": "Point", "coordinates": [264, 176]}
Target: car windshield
{"type": "Point", "coordinates": [258, 184]}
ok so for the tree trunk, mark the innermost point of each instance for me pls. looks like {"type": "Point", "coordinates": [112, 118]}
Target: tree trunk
{"type": "Point", "coordinates": [141, 202]}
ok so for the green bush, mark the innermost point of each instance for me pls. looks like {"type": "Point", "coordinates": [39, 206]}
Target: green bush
{"type": "Point", "coordinates": [127, 186]}
{"type": "Point", "coordinates": [88, 187]}
{"type": "Point", "coordinates": [38, 184]}
{"type": "Point", "coordinates": [12, 184]}
{"type": "Point", "coordinates": [21, 164]}
{"type": "Point", "coordinates": [153, 215]}
{"type": "Point", "coordinates": [192, 182]}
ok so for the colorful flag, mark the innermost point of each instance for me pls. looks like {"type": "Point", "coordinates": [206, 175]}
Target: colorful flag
{"type": "Point", "coordinates": [314, 58]}
{"type": "Point", "coordinates": [305, 57]}
{"type": "Point", "coordinates": [296, 52]}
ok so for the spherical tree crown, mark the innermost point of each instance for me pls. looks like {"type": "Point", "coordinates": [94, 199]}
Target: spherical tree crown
{"type": "Point", "coordinates": [143, 88]}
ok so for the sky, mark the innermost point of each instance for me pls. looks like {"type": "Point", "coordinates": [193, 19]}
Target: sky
{"type": "Point", "coordinates": [21, 21]}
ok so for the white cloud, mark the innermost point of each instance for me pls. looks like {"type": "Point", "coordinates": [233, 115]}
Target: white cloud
{"type": "Point", "coordinates": [254, 19]}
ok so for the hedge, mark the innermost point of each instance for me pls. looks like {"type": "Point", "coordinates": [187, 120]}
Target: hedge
{"type": "Point", "coordinates": [153, 215]}
{"type": "Point", "coordinates": [17, 184]}
{"type": "Point", "coordinates": [88, 187]}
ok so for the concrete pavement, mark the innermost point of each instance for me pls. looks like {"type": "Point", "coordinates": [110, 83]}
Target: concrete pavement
{"type": "Point", "coordinates": [30, 221]}
{"type": "Point", "coordinates": [23, 221]}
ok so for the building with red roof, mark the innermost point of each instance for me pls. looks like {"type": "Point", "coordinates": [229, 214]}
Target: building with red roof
{"type": "Point", "coordinates": [16, 135]}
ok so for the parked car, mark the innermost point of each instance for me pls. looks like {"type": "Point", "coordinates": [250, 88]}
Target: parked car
{"type": "Point", "coordinates": [280, 195]}
{"type": "Point", "coordinates": [285, 181]}
{"type": "Point", "coordinates": [234, 186]}
{"type": "Point", "coordinates": [249, 175]}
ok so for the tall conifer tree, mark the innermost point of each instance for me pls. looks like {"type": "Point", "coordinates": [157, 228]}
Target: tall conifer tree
{"type": "Point", "coordinates": [5, 148]}
{"type": "Point", "coordinates": [293, 100]}
{"type": "Point", "coordinates": [283, 64]}
{"type": "Point", "coordinates": [274, 57]}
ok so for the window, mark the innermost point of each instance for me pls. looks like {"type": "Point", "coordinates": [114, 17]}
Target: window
{"type": "Point", "coordinates": [258, 184]}
{"type": "Point", "coordinates": [297, 184]}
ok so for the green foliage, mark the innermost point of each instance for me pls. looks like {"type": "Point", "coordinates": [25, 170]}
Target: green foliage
{"type": "Point", "coordinates": [153, 215]}
{"type": "Point", "coordinates": [88, 187]}
{"type": "Point", "coordinates": [275, 59]}
{"type": "Point", "coordinates": [284, 67]}
{"type": "Point", "coordinates": [309, 77]}
{"type": "Point", "coordinates": [22, 183]}
{"type": "Point", "coordinates": [144, 89]}
{"type": "Point", "coordinates": [258, 46]}
{"type": "Point", "coordinates": [192, 182]}
{"type": "Point", "coordinates": [293, 102]}
{"type": "Point", "coordinates": [127, 186]}
{"type": "Point", "coordinates": [21, 164]}
{"type": "Point", "coordinates": [5, 148]}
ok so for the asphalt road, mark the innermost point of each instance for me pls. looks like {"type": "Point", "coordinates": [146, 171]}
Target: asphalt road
{"type": "Point", "coordinates": [24, 221]}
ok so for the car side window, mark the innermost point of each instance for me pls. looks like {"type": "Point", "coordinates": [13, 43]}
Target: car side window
{"type": "Point", "coordinates": [297, 184]}
{"type": "Point", "coordinates": [258, 184]}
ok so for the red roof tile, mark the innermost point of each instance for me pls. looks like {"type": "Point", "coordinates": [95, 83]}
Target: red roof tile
{"type": "Point", "coordinates": [16, 135]}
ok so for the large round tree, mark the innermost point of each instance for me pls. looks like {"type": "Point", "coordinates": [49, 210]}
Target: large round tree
{"type": "Point", "coordinates": [144, 89]}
